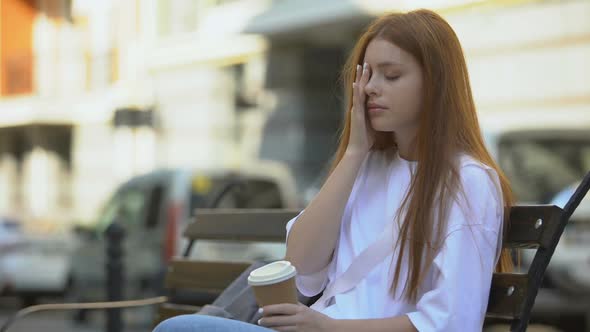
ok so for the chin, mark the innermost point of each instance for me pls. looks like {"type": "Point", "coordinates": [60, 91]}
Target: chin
{"type": "Point", "coordinates": [379, 126]}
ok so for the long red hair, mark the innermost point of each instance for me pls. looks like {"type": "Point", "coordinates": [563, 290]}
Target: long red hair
{"type": "Point", "coordinates": [448, 126]}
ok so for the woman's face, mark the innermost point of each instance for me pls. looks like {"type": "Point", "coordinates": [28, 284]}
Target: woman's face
{"type": "Point", "coordinates": [394, 90]}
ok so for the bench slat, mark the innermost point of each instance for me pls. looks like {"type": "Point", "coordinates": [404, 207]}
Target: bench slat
{"type": "Point", "coordinates": [503, 303]}
{"type": "Point", "coordinates": [265, 225]}
{"type": "Point", "coordinates": [523, 232]}
{"type": "Point", "coordinates": [202, 275]}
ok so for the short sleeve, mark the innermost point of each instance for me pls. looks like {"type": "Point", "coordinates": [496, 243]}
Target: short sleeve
{"type": "Point", "coordinates": [310, 284]}
{"type": "Point", "coordinates": [463, 268]}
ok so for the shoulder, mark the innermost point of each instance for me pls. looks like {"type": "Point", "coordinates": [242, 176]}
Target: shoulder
{"type": "Point", "coordinates": [479, 191]}
{"type": "Point", "coordinates": [474, 174]}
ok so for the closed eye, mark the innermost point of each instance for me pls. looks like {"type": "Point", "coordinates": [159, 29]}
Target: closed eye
{"type": "Point", "coordinates": [391, 78]}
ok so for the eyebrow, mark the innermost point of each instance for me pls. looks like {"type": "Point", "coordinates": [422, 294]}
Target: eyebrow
{"type": "Point", "coordinates": [389, 63]}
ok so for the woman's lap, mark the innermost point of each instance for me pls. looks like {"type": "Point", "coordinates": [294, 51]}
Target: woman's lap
{"type": "Point", "coordinates": [194, 323]}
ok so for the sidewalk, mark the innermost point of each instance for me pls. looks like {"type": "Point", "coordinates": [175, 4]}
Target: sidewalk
{"type": "Point", "coordinates": [136, 320]}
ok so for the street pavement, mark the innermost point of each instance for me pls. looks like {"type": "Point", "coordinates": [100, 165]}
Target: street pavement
{"type": "Point", "coordinates": [136, 320]}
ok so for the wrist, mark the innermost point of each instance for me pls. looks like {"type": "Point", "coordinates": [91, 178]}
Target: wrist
{"type": "Point", "coordinates": [355, 154]}
{"type": "Point", "coordinates": [333, 325]}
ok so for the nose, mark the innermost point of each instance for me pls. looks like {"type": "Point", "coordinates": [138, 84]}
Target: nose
{"type": "Point", "coordinates": [371, 87]}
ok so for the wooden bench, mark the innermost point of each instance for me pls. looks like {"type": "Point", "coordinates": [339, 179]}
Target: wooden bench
{"type": "Point", "coordinates": [539, 227]}
{"type": "Point", "coordinates": [512, 295]}
{"type": "Point", "coordinates": [192, 284]}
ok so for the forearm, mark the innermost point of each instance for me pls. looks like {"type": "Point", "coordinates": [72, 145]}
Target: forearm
{"type": "Point", "coordinates": [313, 237]}
{"type": "Point", "coordinates": [392, 324]}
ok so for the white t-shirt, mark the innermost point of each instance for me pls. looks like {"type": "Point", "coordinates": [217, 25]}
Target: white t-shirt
{"type": "Point", "coordinates": [454, 295]}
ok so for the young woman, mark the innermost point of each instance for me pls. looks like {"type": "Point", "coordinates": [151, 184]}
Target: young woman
{"type": "Point", "coordinates": [411, 157]}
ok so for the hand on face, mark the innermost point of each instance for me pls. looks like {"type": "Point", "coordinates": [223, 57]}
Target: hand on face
{"type": "Point", "coordinates": [361, 139]}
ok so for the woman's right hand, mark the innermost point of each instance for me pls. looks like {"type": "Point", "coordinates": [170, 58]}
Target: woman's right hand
{"type": "Point", "coordinates": [361, 139]}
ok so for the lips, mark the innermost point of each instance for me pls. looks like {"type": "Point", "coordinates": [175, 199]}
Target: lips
{"type": "Point", "coordinates": [375, 105]}
{"type": "Point", "coordinates": [374, 108]}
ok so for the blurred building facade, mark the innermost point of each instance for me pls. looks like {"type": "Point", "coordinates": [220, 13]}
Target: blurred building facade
{"type": "Point", "coordinates": [36, 132]}
{"type": "Point", "coordinates": [525, 58]}
{"type": "Point", "coordinates": [96, 91]}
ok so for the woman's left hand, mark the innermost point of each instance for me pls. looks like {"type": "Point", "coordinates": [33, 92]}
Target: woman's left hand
{"type": "Point", "coordinates": [294, 318]}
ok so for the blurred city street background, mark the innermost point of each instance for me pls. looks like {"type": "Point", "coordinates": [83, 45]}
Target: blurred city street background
{"type": "Point", "coordinates": [138, 111]}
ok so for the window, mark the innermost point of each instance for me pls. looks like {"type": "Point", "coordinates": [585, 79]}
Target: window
{"type": "Point", "coordinates": [101, 69]}
{"type": "Point", "coordinates": [125, 207]}
{"type": "Point", "coordinates": [255, 193]}
{"type": "Point", "coordinates": [176, 17]}
{"type": "Point", "coordinates": [223, 2]}
{"type": "Point", "coordinates": [540, 167]}
{"type": "Point", "coordinates": [261, 194]}
{"type": "Point", "coordinates": [154, 207]}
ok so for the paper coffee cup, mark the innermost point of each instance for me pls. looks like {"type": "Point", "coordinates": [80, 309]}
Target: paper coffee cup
{"type": "Point", "coordinates": [274, 283]}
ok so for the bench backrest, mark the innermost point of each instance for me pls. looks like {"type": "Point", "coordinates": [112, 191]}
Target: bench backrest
{"type": "Point", "coordinates": [192, 283]}
{"type": "Point", "coordinates": [512, 295]}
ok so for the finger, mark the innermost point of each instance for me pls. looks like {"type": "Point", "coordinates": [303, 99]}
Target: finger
{"type": "Point", "coordinates": [366, 74]}
{"type": "Point", "coordinates": [277, 321]}
{"type": "Point", "coordinates": [357, 100]}
{"type": "Point", "coordinates": [361, 95]}
{"type": "Point", "coordinates": [354, 94]}
{"type": "Point", "coordinates": [286, 329]}
{"type": "Point", "coordinates": [280, 309]}
{"type": "Point", "coordinates": [358, 74]}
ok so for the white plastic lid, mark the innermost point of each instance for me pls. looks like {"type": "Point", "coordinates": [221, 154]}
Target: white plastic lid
{"type": "Point", "coordinates": [272, 273]}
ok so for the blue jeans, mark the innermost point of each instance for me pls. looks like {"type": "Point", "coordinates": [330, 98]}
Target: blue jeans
{"type": "Point", "coordinates": [200, 323]}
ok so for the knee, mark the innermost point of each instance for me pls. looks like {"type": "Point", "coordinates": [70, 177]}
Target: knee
{"type": "Point", "coordinates": [182, 323]}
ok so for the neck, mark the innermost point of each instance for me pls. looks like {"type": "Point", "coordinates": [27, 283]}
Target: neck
{"type": "Point", "coordinates": [405, 146]}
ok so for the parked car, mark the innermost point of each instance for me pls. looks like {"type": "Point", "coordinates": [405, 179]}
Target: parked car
{"type": "Point", "coordinates": [11, 237]}
{"type": "Point", "coordinates": [543, 153]}
{"type": "Point", "coordinates": [33, 265]}
{"type": "Point", "coordinates": [542, 162]}
{"type": "Point", "coordinates": [156, 207]}
{"type": "Point", "coordinates": [38, 267]}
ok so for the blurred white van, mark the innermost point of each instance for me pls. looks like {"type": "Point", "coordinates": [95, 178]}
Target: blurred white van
{"type": "Point", "coordinates": [155, 208]}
